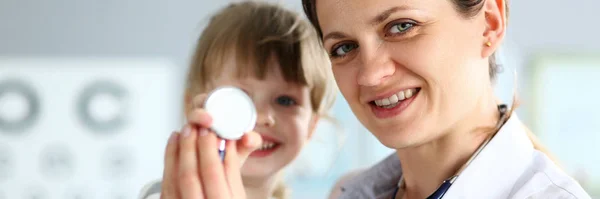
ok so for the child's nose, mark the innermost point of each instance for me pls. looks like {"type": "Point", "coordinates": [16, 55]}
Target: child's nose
{"type": "Point", "coordinates": [265, 118]}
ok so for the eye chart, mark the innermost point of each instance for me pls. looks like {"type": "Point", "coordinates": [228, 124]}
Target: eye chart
{"type": "Point", "coordinates": [84, 128]}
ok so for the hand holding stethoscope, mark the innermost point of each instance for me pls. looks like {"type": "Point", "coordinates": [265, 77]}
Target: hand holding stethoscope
{"type": "Point", "coordinates": [203, 161]}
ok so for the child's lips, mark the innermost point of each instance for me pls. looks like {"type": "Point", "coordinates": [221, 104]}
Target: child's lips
{"type": "Point", "coordinates": [268, 146]}
{"type": "Point", "coordinates": [267, 138]}
{"type": "Point", "coordinates": [265, 150]}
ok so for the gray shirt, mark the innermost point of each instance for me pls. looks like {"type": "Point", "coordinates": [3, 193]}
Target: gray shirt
{"type": "Point", "coordinates": [377, 182]}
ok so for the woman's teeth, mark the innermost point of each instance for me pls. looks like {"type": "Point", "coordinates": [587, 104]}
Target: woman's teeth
{"type": "Point", "coordinates": [267, 145]}
{"type": "Point", "coordinates": [392, 101]}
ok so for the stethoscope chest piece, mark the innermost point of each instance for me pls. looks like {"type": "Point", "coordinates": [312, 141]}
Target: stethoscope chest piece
{"type": "Point", "coordinates": [232, 111]}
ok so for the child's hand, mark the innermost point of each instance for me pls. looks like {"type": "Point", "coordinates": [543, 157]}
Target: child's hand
{"type": "Point", "coordinates": [199, 117]}
{"type": "Point", "coordinates": [193, 168]}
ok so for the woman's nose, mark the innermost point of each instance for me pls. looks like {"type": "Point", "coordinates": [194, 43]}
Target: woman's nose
{"type": "Point", "coordinates": [375, 67]}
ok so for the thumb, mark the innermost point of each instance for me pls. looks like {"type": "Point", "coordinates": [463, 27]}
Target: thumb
{"type": "Point", "coordinates": [248, 144]}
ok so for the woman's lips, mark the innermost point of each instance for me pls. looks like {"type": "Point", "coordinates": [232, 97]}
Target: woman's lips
{"type": "Point", "coordinates": [384, 108]}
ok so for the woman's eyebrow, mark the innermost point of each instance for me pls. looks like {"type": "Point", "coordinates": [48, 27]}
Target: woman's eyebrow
{"type": "Point", "coordinates": [380, 18]}
{"type": "Point", "coordinates": [334, 35]}
{"type": "Point", "coordinates": [386, 14]}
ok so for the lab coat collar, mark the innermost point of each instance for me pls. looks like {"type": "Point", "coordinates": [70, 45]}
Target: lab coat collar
{"type": "Point", "coordinates": [495, 171]}
{"type": "Point", "coordinates": [492, 174]}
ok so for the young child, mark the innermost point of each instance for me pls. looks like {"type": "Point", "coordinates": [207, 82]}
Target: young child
{"type": "Point", "coordinates": [275, 56]}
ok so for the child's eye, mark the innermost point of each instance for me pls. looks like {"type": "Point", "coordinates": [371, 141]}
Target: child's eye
{"type": "Point", "coordinates": [286, 101]}
{"type": "Point", "coordinates": [342, 49]}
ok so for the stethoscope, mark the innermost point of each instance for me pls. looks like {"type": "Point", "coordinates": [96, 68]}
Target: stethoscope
{"type": "Point", "coordinates": [445, 186]}
{"type": "Point", "coordinates": [233, 114]}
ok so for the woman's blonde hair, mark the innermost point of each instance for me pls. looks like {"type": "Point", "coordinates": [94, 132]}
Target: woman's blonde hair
{"type": "Point", "coordinates": [254, 32]}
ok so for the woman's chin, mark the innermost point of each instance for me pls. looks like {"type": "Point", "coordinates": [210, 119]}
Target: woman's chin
{"type": "Point", "coordinates": [400, 132]}
{"type": "Point", "coordinates": [398, 138]}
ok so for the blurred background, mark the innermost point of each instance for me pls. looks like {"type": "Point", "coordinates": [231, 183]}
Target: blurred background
{"type": "Point", "coordinates": [90, 90]}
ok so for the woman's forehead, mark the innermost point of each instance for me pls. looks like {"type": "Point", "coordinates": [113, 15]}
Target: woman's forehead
{"type": "Point", "coordinates": [333, 13]}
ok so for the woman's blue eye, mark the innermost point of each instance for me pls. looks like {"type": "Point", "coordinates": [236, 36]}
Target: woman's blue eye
{"type": "Point", "coordinates": [401, 27]}
{"type": "Point", "coordinates": [286, 101]}
{"type": "Point", "coordinates": [343, 49]}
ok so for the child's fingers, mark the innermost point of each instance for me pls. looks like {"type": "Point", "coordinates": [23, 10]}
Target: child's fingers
{"type": "Point", "coordinates": [232, 164]}
{"type": "Point", "coordinates": [248, 144]}
{"type": "Point", "coordinates": [211, 168]}
{"type": "Point", "coordinates": [169, 182]}
{"type": "Point", "coordinates": [190, 186]}
{"type": "Point", "coordinates": [199, 117]}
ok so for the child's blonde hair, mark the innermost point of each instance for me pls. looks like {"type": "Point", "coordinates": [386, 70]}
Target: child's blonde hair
{"type": "Point", "coordinates": [253, 32]}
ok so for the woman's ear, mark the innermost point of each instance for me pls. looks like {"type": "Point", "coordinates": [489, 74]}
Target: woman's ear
{"type": "Point", "coordinates": [495, 20]}
{"type": "Point", "coordinates": [313, 125]}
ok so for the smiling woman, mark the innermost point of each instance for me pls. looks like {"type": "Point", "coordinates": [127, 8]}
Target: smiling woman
{"type": "Point", "coordinates": [419, 75]}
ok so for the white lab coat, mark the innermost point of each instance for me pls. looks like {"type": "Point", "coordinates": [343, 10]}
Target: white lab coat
{"type": "Point", "coordinates": [508, 167]}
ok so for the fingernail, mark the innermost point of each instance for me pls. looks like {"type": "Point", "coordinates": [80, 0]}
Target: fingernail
{"type": "Point", "coordinates": [187, 131]}
{"type": "Point", "coordinates": [203, 132]}
{"type": "Point", "coordinates": [174, 136]}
